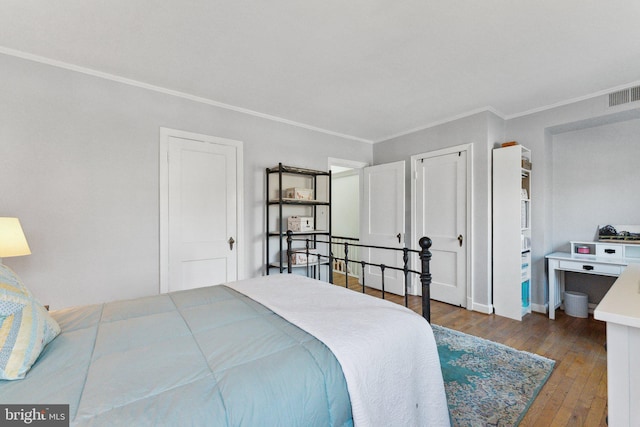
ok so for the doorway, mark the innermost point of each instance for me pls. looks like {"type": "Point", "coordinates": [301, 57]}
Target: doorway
{"type": "Point", "coordinates": [201, 239]}
{"type": "Point", "coordinates": [346, 196]}
{"type": "Point", "coordinates": [441, 210]}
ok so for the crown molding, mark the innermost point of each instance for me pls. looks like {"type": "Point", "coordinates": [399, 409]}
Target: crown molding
{"type": "Point", "coordinates": [443, 121]}
{"type": "Point", "coordinates": [171, 92]}
{"type": "Point", "coordinates": [572, 100]}
{"type": "Point", "coordinates": [211, 102]}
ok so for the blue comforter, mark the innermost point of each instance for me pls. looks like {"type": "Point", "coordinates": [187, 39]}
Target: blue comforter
{"type": "Point", "coordinates": [208, 356]}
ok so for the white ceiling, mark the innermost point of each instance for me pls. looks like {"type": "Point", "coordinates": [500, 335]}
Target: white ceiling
{"type": "Point", "coordinates": [368, 69]}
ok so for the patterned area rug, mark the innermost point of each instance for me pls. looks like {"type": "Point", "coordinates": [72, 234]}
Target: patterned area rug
{"type": "Point", "coordinates": [488, 384]}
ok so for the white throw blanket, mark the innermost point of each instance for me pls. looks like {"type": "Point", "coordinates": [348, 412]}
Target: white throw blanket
{"type": "Point", "coordinates": [387, 352]}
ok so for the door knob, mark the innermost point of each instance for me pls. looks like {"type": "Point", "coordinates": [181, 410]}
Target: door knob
{"type": "Point", "coordinates": [399, 236]}
{"type": "Point", "coordinates": [231, 242]}
{"type": "Point", "coordinates": [460, 239]}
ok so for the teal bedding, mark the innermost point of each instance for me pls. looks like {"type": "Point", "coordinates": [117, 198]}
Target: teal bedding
{"type": "Point", "coordinates": [208, 356]}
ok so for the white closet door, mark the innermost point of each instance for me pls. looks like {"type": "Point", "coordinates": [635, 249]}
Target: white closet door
{"type": "Point", "coordinates": [382, 224]}
{"type": "Point", "coordinates": [441, 196]}
{"type": "Point", "coordinates": [202, 239]}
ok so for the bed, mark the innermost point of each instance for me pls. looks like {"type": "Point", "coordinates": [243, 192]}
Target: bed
{"type": "Point", "coordinates": [274, 350]}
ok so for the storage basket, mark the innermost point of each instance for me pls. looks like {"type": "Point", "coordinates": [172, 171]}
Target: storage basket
{"type": "Point", "coordinates": [525, 293]}
{"type": "Point", "coordinates": [576, 304]}
{"type": "Point", "coordinates": [299, 257]}
{"type": "Point", "coordinates": [300, 223]}
{"type": "Point", "coordinates": [298, 193]}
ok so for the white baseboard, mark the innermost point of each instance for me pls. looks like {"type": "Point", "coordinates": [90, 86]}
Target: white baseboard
{"type": "Point", "coordinates": [488, 309]}
{"type": "Point", "coordinates": [482, 308]}
{"type": "Point", "coordinates": [540, 308]}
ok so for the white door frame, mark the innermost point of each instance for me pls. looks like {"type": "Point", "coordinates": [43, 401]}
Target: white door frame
{"type": "Point", "coordinates": [165, 134]}
{"type": "Point", "coordinates": [357, 168]}
{"type": "Point", "coordinates": [468, 148]}
{"type": "Point", "coordinates": [353, 164]}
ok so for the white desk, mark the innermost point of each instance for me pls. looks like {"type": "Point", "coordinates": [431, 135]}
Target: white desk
{"type": "Point", "coordinates": [620, 308]}
{"type": "Point", "coordinates": [559, 262]}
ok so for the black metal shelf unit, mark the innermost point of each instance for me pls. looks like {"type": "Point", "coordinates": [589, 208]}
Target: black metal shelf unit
{"type": "Point", "coordinates": [278, 208]}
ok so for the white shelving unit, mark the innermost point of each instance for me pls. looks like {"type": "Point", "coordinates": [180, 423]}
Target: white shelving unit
{"type": "Point", "coordinates": [512, 231]}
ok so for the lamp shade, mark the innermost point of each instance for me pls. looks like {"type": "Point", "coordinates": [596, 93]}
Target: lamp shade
{"type": "Point", "coordinates": [12, 240]}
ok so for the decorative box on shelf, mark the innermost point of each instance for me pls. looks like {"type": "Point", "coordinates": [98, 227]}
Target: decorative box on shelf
{"type": "Point", "coordinates": [297, 193]}
{"type": "Point", "coordinates": [300, 223]}
{"type": "Point", "coordinates": [300, 257]}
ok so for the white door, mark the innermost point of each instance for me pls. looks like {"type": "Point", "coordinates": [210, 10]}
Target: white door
{"type": "Point", "coordinates": [200, 200]}
{"type": "Point", "coordinates": [382, 224]}
{"type": "Point", "coordinates": [441, 215]}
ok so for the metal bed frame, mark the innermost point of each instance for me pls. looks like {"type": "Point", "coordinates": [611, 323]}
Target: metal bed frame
{"type": "Point", "coordinates": [423, 253]}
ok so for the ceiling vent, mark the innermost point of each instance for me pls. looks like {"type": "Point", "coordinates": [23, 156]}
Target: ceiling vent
{"type": "Point", "coordinates": [635, 93]}
{"type": "Point", "coordinates": [624, 96]}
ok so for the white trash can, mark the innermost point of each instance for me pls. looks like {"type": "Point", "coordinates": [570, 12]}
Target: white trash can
{"type": "Point", "coordinates": [576, 304]}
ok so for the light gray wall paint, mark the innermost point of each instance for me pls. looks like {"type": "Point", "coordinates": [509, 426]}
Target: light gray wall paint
{"type": "Point", "coordinates": [539, 132]}
{"type": "Point", "coordinates": [482, 130]}
{"type": "Point", "coordinates": [79, 167]}
{"type": "Point", "coordinates": [595, 182]}
{"type": "Point", "coordinates": [596, 179]}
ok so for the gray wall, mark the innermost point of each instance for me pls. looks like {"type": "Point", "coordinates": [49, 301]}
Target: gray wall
{"type": "Point", "coordinates": [79, 167]}
{"type": "Point", "coordinates": [542, 132]}
{"type": "Point", "coordinates": [563, 140]}
{"type": "Point", "coordinates": [482, 130]}
{"type": "Point", "coordinates": [595, 181]}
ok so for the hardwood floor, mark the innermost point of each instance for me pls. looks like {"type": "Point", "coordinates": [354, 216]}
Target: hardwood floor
{"type": "Point", "coordinates": [576, 392]}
